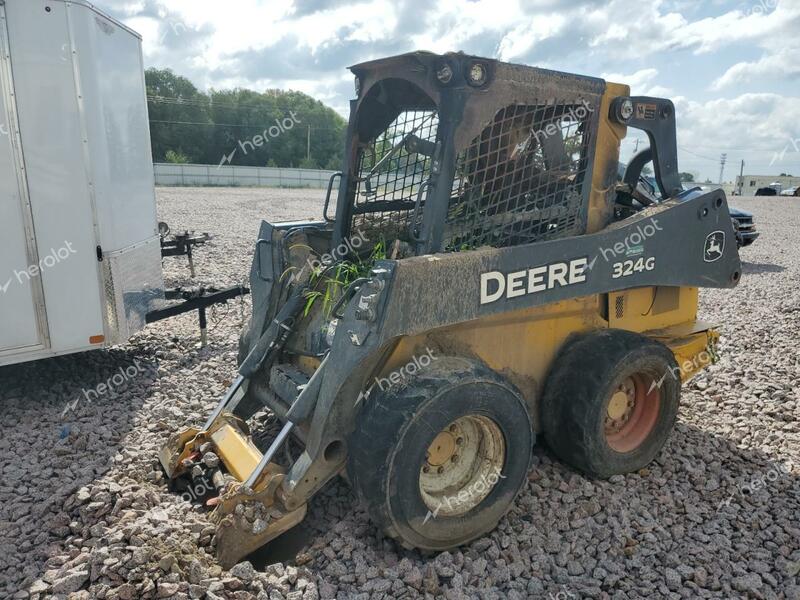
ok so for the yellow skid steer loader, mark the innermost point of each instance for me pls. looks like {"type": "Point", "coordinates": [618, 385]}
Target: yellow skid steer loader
{"type": "Point", "coordinates": [485, 276]}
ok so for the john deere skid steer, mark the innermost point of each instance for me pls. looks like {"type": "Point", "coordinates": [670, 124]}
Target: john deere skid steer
{"type": "Point", "coordinates": [482, 278]}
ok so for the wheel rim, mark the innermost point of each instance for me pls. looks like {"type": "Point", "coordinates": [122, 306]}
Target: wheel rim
{"type": "Point", "coordinates": [462, 465]}
{"type": "Point", "coordinates": [631, 412]}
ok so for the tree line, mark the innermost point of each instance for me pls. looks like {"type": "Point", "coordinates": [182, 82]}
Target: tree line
{"type": "Point", "coordinates": [276, 128]}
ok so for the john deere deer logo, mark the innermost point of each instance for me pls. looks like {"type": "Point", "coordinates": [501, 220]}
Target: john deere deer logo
{"type": "Point", "coordinates": [715, 246]}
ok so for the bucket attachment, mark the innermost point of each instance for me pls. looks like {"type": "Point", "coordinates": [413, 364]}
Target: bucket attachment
{"type": "Point", "coordinates": [220, 467]}
{"type": "Point", "coordinates": [219, 464]}
{"type": "Point", "coordinates": [247, 521]}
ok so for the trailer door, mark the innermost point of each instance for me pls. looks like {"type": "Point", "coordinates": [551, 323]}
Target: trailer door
{"type": "Point", "coordinates": [22, 319]}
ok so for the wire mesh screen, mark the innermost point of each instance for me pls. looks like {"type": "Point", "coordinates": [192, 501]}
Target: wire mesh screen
{"type": "Point", "coordinates": [392, 168]}
{"type": "Point", "coordinates": [520, 181]}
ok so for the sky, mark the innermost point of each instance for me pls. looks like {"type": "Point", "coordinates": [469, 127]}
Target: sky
{"type": "Point", "coordinates": [732, 67]}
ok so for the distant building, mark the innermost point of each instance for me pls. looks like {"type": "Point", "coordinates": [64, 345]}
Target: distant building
{"type": "Point", "coordinates": [749, 184]}
{"type": "Point", "coordinates": [728, 188]}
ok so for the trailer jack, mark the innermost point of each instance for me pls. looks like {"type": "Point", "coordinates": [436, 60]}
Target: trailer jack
{"type": "Point", "coordinates": [198, 299]}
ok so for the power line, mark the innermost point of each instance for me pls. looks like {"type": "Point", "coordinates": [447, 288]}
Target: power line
{"type": "Point", "coordinates": [715, 159]}
{"type": "Point", "coordinates": [723, 148]}
{"type": "Point", "coordinates": [209, 103]}
{"type": "Point", "coordinates": [698, 155]}
{"type": "Point", "coordinates": [259, 127]}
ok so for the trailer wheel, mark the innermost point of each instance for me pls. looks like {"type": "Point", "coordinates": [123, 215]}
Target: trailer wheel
{"type": "Point", "coordinates": [610, 402]}
{"type": "Point", "coordinates": [438, 459]}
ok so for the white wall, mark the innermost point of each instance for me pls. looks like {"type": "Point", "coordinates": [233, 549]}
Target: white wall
{"type": "Point", "coordinates": [208, 175]}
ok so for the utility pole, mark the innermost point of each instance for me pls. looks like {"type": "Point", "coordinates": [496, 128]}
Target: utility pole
{"type": "Point", "coordinates": [308, 144]}
{"type": "Point", "coordinates": [722, 159]}
{"type": "Point", "coordinates": [741, 179]}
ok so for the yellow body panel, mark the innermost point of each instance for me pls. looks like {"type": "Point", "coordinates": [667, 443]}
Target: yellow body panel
{"type": "Point", "coordinates": [693, 352]}
{"type": "Point", "coordinates": [646, 309]}
{"type": "Point", "coordinates": [522, 345]}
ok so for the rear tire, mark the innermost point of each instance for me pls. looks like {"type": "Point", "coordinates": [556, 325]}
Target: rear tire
{"type": "Point", "coordinates": [610, 402]}
{"type": "Point", "coordinates": [438, 459]}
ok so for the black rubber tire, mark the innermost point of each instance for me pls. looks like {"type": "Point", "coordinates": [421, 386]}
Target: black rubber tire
{"type": "Point", "coordinates": [395, 428]}
{"type": "Point", "coordinates": [576, 396]}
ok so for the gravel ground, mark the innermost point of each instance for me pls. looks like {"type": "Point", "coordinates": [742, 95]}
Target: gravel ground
{"type": "Point", "coordinates": [84, 513]}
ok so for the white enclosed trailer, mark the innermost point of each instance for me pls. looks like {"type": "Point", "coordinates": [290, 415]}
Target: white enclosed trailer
{"type": "Point", "coordinates": [80, 260]}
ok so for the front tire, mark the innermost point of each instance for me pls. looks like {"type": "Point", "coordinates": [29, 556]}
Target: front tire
{"type": "Point", "coordinates": [611, 402]}
{"type": "Point", "coordinates": [438, 459]}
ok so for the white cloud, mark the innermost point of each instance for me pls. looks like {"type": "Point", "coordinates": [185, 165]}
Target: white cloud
{"type": "Point", "coordinates": [750, 127]}
{"type": "Point", "coordinates": [642, 83]}
{"type": "Point", "coordinates": [523, 38]}
{"type": "Point", "coordinates": [782, 64]}
{"type": "Point", "coordinates": [635, 29]}
{"type": "Point", "coordinates": [453, 22]}
{"type": "Point", "coordinates": [758, 121]}
{"type": "Point", "coordinates": [637, 80]}
{"type": "Point", "coordinates": [307, 44]}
